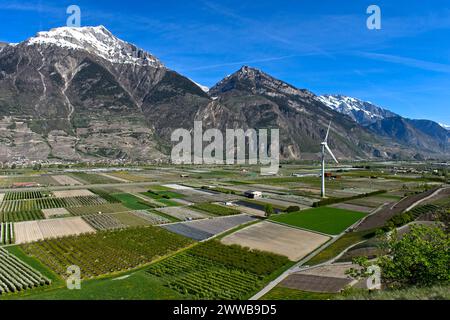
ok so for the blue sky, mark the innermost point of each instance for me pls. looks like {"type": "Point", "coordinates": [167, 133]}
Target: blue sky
{"type": "Point", "coordinates": [323, 46]}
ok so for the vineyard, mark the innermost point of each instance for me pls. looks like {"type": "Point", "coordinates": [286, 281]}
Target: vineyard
{"type": "Point", "coordinates": [49, 203]}
{"type": "Point", "coordinates": [212, 270]}
{"type": "Point", "coordinates": [6, 233]}
{"type": "Point", "coordinates": [103, 208]}
{"type": "Point", "coordinates": [16, 276]}
{"type": "Point", "coordinates": [104, 222]}
{"type": "Point", "coordinates": [141, 217]}
{"type": "Point", "coordinates": [106, 251]}
{"type": "Point", "coordinates": [21, 216]}
{"type": "Point", "coordinates": [23, 195]}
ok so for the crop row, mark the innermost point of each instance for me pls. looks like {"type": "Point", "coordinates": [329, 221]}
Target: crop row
{"type": "Point", "coordinates": [104, 222]}
{"type": "Point", "coordinates": [16, 276]}
{"type": "Point", "coordinates": [204, 273]}
{"type": "Point", "coordinates": [6, 233]}
{"type": "Point", "coordinates": [106, 251]}
{"type": "Point", "coordinates": [49, 203]}
{"type": "Point", "coordinates": [20, 216]}
{"type": "Point", "coordinates": [96, 209]}
{"type": "Point", "coordinates": [23, 195]}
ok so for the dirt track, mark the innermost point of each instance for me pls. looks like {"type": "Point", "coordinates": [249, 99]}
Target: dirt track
{"type": "Point", "coordinates": [379, 219]}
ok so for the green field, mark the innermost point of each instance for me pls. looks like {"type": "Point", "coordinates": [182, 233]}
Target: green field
{"type": "Point", "coordinates": [132, 202]}
{"type": "Point", "coordinates": [215, 209]}
{"type": "Point", "coordinates": [131, 286]}
{"type": "Point", "coordinates": [164, 197]}
{"type": "Point", "coordinates": [325, 219]}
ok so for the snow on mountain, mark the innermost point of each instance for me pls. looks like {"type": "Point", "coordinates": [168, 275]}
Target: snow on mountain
{"type": "Point", "coordinates": [96, 40]}
{"type": "Point", "coordinates": [445, 126]}
{"type": "Point", "coordinates": [360, 111]}
{"type": "Point", "coordinates": [204, 88]}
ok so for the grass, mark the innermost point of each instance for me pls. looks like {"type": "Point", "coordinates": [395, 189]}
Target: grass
{"type": "Point", "coordinates": [340, 245]}
{"type": "Point", "coordinates": [136, 285]}
{"type": "Point", "coordinates": [325, 219]}
{"type": "Point", "coordinates": [439, 292]}
{"type": "Point", "coordinates": [282, 293]}
{"type": "Point", "coordinates": [164, 197]}
{"type": "Point", "coordinates": [132, 202]}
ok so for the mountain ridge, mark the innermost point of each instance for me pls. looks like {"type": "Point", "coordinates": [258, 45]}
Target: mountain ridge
{"type": "Point", "coordinates": [81, 94]}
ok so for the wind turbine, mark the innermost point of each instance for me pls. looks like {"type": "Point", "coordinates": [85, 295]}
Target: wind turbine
{"type": "Point", "coordinates": [324, 145]}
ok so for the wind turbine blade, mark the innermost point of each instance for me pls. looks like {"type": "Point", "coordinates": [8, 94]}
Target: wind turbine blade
{"type": "Point", "coordinates": [331, 153]}
{"type": "Point", "coordinates": [328, 132]}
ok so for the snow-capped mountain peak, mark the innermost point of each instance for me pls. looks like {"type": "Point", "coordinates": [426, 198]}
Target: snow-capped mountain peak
{"type": "Point", "coordinates": [97, 40]}
{"type": "Point", "coordinates": [362, 112]}
{"type": "Point", "coordinates": [445, 126]}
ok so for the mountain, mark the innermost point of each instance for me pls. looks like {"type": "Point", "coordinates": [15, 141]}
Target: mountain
{"type": "Point", "coordinates": [254, 99]}
{"type": "Point", "coordinates": [363, 112]}
{"type": "Point", "coordinates": [445, 126]}
{"type": "Point", "coordinates": [423, 135]}
{"type": "Point", "coordinates": [82, 94]}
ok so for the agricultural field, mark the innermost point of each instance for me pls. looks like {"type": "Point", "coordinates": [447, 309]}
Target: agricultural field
{"type": "Point", "coordinates": [132, 202]}
{"type": "Point", "coordinates": [151, 234]}
{"type": "Point", "coordinates": [26, 181]}
{"type": "Point", "coordinates": [49, 203]}
{"type": "Point", "coordinates": [106, 252]}
{"type": "Point", "coordinates": [212, 270]}
{"type": "Point", "coordinates": [21, 216]}
{"type": "Point", "coordinates": [95, 209]}
{"type": "Point", "coordinates": [24, 195]}
{"type": "Point", "coordinates": [104, 222]}
{"type": "Point", "coordinates": [141, 217]}
{"type": "Point", "coordinates": [6, 233]}
{"type": "Point", "coordinates": [183, 213]}
{"type": "Point", "coordinates": [207, 228]}
{"type": "Point", "coordinates": [16, 276]}
{"type": "Point", "coordinates": [215, 209]}
{"type": "Point", "coordinates": [65, 180]}
{"type": "Point", "coordinates": [326, 220]}
{"type": "Point", "coordinates": [73, 193]}
{"type": "Point", "coordinates": [92, 178]}
{"type": "Point", "coordinates": [30, 231]}
{"type": "Point", "coordinates": [279, 239]}
{"type": "Point", "coordinates": [164, 197]}
{"type": "Point", "coordinates": [55, 213]}
{"type": "Point", "coordinates": [133, 177]}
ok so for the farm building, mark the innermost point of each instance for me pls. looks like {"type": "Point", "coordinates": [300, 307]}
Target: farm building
{"type": "Point", "coordinates": [253, 194]}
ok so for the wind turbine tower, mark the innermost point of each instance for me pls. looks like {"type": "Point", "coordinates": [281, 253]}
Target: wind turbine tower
{"type": "Point", "coordinates": [325, 146]}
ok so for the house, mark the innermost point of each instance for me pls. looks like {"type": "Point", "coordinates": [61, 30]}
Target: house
{"type": "Point", "coordinates": [253, 194]}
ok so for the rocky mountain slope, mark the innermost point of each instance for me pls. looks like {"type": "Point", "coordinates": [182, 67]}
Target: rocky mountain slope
{"type": "Point", "coordinates": [81, 94]}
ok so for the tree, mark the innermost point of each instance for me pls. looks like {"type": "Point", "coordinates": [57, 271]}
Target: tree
{"type": "Point", "coordinates": [420, 258]}
{"type": "Point", "coordinates": [268, 209]}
